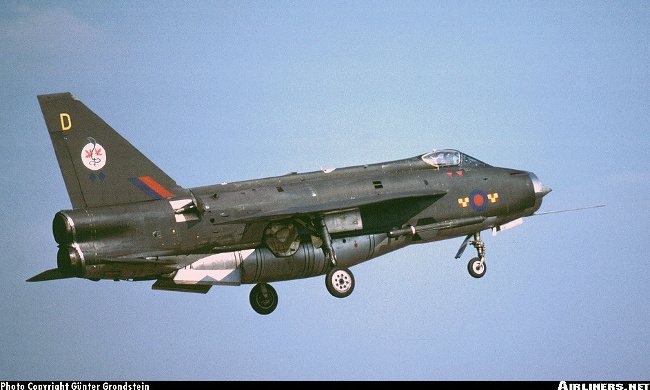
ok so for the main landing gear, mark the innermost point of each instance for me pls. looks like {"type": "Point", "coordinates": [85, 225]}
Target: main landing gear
{"type": "Point", "coordinates": [263, 298]}
{"type": "Point", "coordinates": [476, 265]}
{"type": "Point", "coordinates": [338, 280]}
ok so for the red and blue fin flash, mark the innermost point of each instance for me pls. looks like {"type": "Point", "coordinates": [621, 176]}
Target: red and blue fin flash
{"type": "Point", "coordinates": [150, 187]}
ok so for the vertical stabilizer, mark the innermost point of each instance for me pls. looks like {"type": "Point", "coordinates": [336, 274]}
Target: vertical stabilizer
{"type": "Point", "coordinates": [99, 167]}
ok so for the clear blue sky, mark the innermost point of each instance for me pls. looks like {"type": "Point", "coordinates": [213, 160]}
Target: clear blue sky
{"type": "Point", "coordinates": [226, 91]}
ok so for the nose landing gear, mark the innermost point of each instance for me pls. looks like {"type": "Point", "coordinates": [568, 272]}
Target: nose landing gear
{"type": "Point", "coordinates": [476, 265]}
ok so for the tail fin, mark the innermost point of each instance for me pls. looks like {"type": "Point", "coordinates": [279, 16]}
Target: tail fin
{"type": "Point", "coordinates": [99, 167]}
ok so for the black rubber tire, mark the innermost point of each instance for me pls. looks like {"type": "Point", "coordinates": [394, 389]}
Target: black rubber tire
{"type": "Point", "coordinates": [263, 298]}
{"type": "Point", "coordinates": [339, 282]}
{"type": "Point", "coordinates": [475, 269]}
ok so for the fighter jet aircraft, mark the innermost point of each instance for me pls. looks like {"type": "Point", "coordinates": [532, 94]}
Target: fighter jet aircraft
{"type": "Point", "coordinates": [131, 221]}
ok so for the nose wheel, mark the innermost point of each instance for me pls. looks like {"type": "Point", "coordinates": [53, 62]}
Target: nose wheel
{"type": "Point", "coordinates": [476, 266]}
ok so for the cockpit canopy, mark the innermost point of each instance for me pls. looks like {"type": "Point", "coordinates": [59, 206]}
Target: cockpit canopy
{"type": "Point", "coordinates": [449, 158]}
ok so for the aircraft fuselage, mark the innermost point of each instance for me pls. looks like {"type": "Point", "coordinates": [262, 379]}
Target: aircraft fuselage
{"type": "Point", "coordinates": [234, 216]}
{"type": "Point", "coordinates": [131, 221]}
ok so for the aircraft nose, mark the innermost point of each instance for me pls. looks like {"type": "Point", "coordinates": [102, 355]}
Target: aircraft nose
{"type": "Point", "coordinates": [540, 189]}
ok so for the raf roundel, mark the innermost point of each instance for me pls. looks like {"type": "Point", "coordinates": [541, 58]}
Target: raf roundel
{"type": "Point", "coordinates": [478, 200]}
{"type": "Point", "coordinates": [93, 155]}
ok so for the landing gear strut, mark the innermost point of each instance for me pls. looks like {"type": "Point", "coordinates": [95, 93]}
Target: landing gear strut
{"type": "Point", "coordinates": [339, 280]}
{"type": "Point", "coordinates": [328, 248]}
{"type": "Point", "coordinates": [476, 265]}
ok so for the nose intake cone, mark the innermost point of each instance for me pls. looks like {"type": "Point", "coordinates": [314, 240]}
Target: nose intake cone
{"type": "Point", "coordinates": [540, 189]}
{"type": "Point", "coordinates": [543, 191]}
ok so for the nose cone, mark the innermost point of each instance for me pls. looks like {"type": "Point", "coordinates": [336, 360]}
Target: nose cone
{"type": "Point", "coordinates": [540, 189]}
{"type": "Point", "coordinates": [543, 190]}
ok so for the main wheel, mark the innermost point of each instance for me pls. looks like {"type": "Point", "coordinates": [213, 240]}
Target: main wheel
{"type": "Point", "coordinates": [339, 282]}
{"type": "Point", "coordinates": [263, 298]}
{"type": "Point", "coordinates": [475, 268]}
